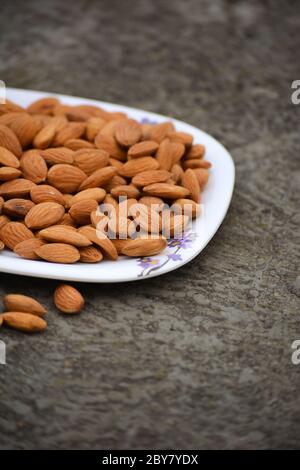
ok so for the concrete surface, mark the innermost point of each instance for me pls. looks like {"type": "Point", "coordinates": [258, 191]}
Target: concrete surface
{"type": "Point", "coordinates": [200, 357]}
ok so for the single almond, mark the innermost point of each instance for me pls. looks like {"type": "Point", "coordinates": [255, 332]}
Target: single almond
{"type": "Point", "coordinates": [78, 144]}
{"type": "Point", "coordinates": [202, 176]}
{"type": "Point", "coordinates": [43, 215]}
{"type": "Point", "coordinates": [58, 253]}
{"type": "Point", "coordinates": [100, 240]}
{"type": "Point", "coordinates": [154, 202]}
{"type": "Point", "coordinates": [46, 193]}
{"type": "Point", "coordinates": [196, 163]}
{"type": "Point", "coordinates": [3, 221]}
{"type": "Point", "coordinates": [177, 173]}
{"type": "Point", "coordinates": [26, 249]}
{"type": "Point", "coordinates": [43, 106]}
{"type": "Point", "coordinates": [45, 136]}
{"type": "Point", "coordinates": [110, 146]}
{"type": "Point", "coordinates": [98, 194]}
{"type": "Point", "coordinates": [13, 233]}
{"type": "Point", "coordinates": [63, 234]}
{"type": "Point", "coordinates": [16, 188]}
{"type": "Point", "coordinates": [8, 173]}
{"type": "Point", "coordinates": [138, 165]}
{"type": "Point", "coordinates": [186, 207]}
{"type": "Point", "coordinates": [10, 141]}
{"type": "Point", "coordinates": [165, 190]}
{"type": "Point", "coordinates": [128, 132]}
{"type": "Point", "coordinates": [7, 158]}
{"type": "Point", "coordinates": [59, 155]}
{"type": "Point", "coordinates": [161, 131]}
{"type": "Point", "coordinates": [169, 153]}
{"type": "Point", "coordinates": [196, 151]}
{"type": "Point", "coordinates": [182, 138]}
{"type": "Point", "coordinates": [25, 128]}
{"type": "Point", "coordinates": [23, 303]}
{"type": "Point", "coordinates": [24, 322]}
{"type": "Point", "coordinates": [98, 178]}
{"type": "Point", "coordinates": [90, 254]}
{"type": "Point", "coordinates": [144, 247]}
{"type": "Point", "coordinates": [33, 166]}
{"type": "Point", "coordinates": [93, 126]}
{"type": "Point", "coordinates": [151, 176]}
{"type": "Point", "coordinates": [67, 299]}
{"type": "Point", "coordinates": [90, 160]}
{"type": "Point", "coordinates": [72, 130]}
{"type": "Point", "coordinates": [81, 211]}
{"type": "Point", "coordinates": [142, 149]}
{"type": "Point", "coordinates": [17, 207]}
{"type": "Point", "coordinates": [66, 178]}
{"type": "Point", "coordinates": [190, 182]}
{"type": "Point", "coordinates": [129, 191]}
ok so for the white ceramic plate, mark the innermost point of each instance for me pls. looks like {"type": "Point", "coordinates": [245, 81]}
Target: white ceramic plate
{"type": "Point", "coordinates": [215, 202]}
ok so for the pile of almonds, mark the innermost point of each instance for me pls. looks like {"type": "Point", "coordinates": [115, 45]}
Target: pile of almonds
{"type": "Point", "coordinates": [59, 162]}
{"type": "Point", "coordinates": [26, 314]}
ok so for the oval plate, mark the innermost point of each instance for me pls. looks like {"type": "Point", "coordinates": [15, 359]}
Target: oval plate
{"type": "Point", "coordinates": [215, 202]}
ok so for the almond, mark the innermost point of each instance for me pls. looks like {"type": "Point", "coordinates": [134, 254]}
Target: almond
{"type": "Point", "coordinates": [17, 207]}
{"type": "Point", "coordinates": [67, 221]}
{"type": "Point", "coordinates": [90, 160]}
{"type": "Point", "coordinates": [128, 132]}
{"type": "Point", "coordinates": [147, 218]}
{"type": "Point", "coordinates": [33, 166]}
{"type": "Point", "coordinates": [101, 240]}
{"type": "Point", "coordinates": [81, 211]}
{"type": "Point", "coordinates": [90, 254]}
{"type": "Point", "coordinates": [45, 136]}
{"type": "Point", "coordinates": [119, 244]}
{"type": "Point", "coordinates": [190, 182]}
{"type": "Point", "coordinates": [165, 190]}
{"type": "Point", "coordinates": [16, 188]}
{"type": "Point", "coordinates": [25, 127]}
{"type": "Point", "coordinates": [142, 149]}
{"type": "Point", "coordinates": [23, 303]}
{"type": "Point", "coordinates": [2, 246]}
{"type": "Point", "coordinates": [169, 153]}
{"type": "Point", "coordinates": [150, 177]}
{"type": "Point", "coordinates": [177, 173]}
{"type": "Point", "coordinates": [196, 163]}
{"type": "Point", "coordinates": [43, 106]}
{"type": "Point", "coordinates": [7, 158]}
{"type": "Point", "coordinates": [174, 225]}
{"type": "Point", "coordinates": [182, 138]}
{"type": "Point", "coordinates": [202, 176]}
{"type": "Point", "coordinates": [98, 178]}
{"type": "Point", "coordinates": [196, 151]}
{"type": "Point", "coordinates": [59, 155]}
{"type": "Point", "coordinates": [46, 193]}
{"type": "Point", "coordinates": [138, 165]}
{"type": "Point", "coordinates": [93, 126]}
{"type": "Point", "coordinates": [110, 146]}
{"type": "Point", "coordinates": [98, 194]}
{"type": "Point", "coordinates": [115, 163]}
{"type": "Point", "coordinates": [26, 249]}
{"type": "Point", "coordinates": [13, 233]}
{"type": "Point", "coordinates": [144, 247]}
{"type": "Point", "coordinates": [58, 253]}
{"type": "Point", "coordinates": [113, 182]}
{"type": "Point", "coordinates": [24, 322]}
{"type": "Point", "coordinates": [43, 215]}
{"type": "Point", "coordinates": [1, 204]}
{"type": "Point", "coordinates": [61, 234]}
{"type": "Point", "coordinates": [128, 191]}
{"type": "Point", "coordinates": [159, 132]}
{"type": "Point", "coordinates": [3, 221]}
{"type": "Point", "coordinates": [72, 130]}
{"type": "Point", "coordinates": [10, 106]}
{"type": "Point", "coordinates": [8, 173]}
{"type": "Point", "coordinates": [66, 178]}
{"type": "Point", "coordinates": [9, 140]}
{"type": "Point", "coordinates": [78, 144]}
{"type": "Point", "coordinates": [155, 203]}
{"type": "Point", "coordinates": [67, 299]}
{"type": "Point", "coordinates": [187, 207]}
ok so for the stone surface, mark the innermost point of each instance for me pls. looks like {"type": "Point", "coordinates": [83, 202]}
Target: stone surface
{"type": "Point", "coordinates": [200, 357]}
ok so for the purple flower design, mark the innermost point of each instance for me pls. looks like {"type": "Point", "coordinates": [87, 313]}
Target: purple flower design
{"type": "Point", "coordinates": [147, 262]}
{"type": "Point", "coordinates": [146, 120]}
{"type": "Point", "coordinates": [174, 257]}
{"type": "Point", "coordinates": [182, 242]}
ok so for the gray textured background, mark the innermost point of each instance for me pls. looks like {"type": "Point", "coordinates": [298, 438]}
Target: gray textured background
{"type": "Point", "coordinates": [200, 357]}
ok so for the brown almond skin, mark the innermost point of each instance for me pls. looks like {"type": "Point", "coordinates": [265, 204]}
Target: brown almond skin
{"type": "Point", "coordinates": [46, 193]}
{"type": "Point", "coordinates": [138, 165]}
{"type": "Point", "coordinates": [81, 211]}
{"type": "Point", "coordinates": [58, 155]}
{"type": "Point", "coordinates": [202, 176]}
{"type": "Point", "coordinates": [7, 158]}
{"type": "Point", "coordinates": [189, 181]}
{"type": "Point", "coordinates": [169, 153]}
{"type": "Point", "coordinates": [2, 246]}
{"type": "Point", "coordinates": [196, 151]}
{"type": "Point", "coordinates": [43, 215]}
{"type": "Point", "coordinates": [142, 149]}
{"type": "Point", "coordinates": [17, 207]}
{"type": "Point", "coordinates": [110, 146]}
{"type": "Point", "coordinates": [33, 166]}
{"type": "Point", "coordinates": [3, 220]}
{"type": "Point", "coordinates": [61, 234]}
{"type": "Point", "coordinates": [128, 191]}
{"type": "Point", "coordinates": [23, 303]}
{"type": "Point", "coordinates": [66, 178]}
{"type": "Point", "coordinates": [10, 141]}
{"type": "Point", "coordinates": [90, 160]}
{"type": "Point", "coordinates": [161, 131]}
{"type": "Point", "coordinates": [24, 322]}
{"type": "Point", "coordinates": [16, 188]}
{"type": "Point", "coordinates": [13, 233]}
{"type": "Point", "coordinates": [191, 207]}
{"type": "Point", "coordinates": [149, 177]}
{"type": "Point", "coordinates": [58, 253]}
{"type": "Point", "coordinates": [67, 299]}
{"type": "Point", "coordinates": [128, 132]}
{"type": "Point", "coordinates": [90, 254]}
{"type": "Point", "coordinates": [165, 190]}
{"type": "Point", "coordinates": [103, 242]}
{"type": "Point", "coordinates": [99, 178]}
{"type": "Point", "coordinates": [196, 163]}
{"type": "Point", "coordinates": [8, 173]}
{"type": "Point", "coordinates": [26, 249]}
{"type": "Point", "coordinates": [98, 194]}
{"type": "Point", "coordinates": [144, 247]}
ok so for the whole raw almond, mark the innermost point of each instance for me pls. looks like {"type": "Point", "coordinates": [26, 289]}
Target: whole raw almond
{"type": "Point", "coordinates": [33, 166]}
{"type": "Point", "coordinates": [66, 178]}
{"type": "Point", "coordinates": [26, 249]}
{"type": "Point", "coordinates": [98, 194]}
{"type": "Point", "coordinates": [25, 127]}
{"type": "Point", "coordinates": [160, 131]}
{"type": "Point", "coordinates": [196, 163]}
{"type": "Point", "coordinates": [144, 247]}
{"type": "Point", "coordinates": [13, 233]}
{"type": "Point", "coordinates": [169, 153]}
{"type": "Point", "coordinates": [8, 173]}
{"type": "Point", "coordinates": [59, 155]}
{"type": "Point", "coordinates": [177, 173]}
{"type": "Point", "coordinates": [61, 234]}
{"type": "Point", "coordinates": [202, 176]}
{"type": "Point", "coordinates": [129, 191]}
{"type": "Point", "coordinates": [72, 130]}
{"type": "Point", "coordinates": [23, 303]}
{"type": "Point", "coordinates": [43, 215]}
{"type": "Point", "coordinates": [138, 165]}
{"type": "Point", "coordinates": [100, 240]}
{"type": "Point", "coordinates": [98, 178]}
{"type": "Point", "coordinates": [81, 211]}
{"type": "Point", "coordinates": [90, 254]}
{"type": "Point", "coordinates": [93, 126]}
{"type": "Point", "coordinates": [45, 136]}
{"type": "Point", "coordinates": [67, 299]}
{"type": "Point", "coordinates": [24, 322]}
{"type": "Point", "coordinates": [151, 176]}
{"type": "Point", "coordinates": [196, 151]}
{"type": "Point", "coordinates": [115, 163]}
{"type": "Point", "coordinates": [17, 207]}
{"type": "Point", "coordinates": [10, 141]}
{"type": "Point", "coordinates": [110, 146]}
{"type": "Point", "coordinates": [128, 132]}
{"type": "Point", "coordinates": [16, 188]}
{"type": "Point", "coordinates": [165, 190]}
{"type": "Point", "coordinates": [90, 160]}
{"type": "Point", "coordinates": [142, 149]}
{"type": "Point", "coordinates": [189, 181]}
{"type": "Point", "coordinates": [187, 207]}
{"type": "Point", "coordinates": [182, 138]}
{"type": "Point", "coordinates": [7, 158]}
{"type": "Point", "coordinates": [46, 193]}
{"type": "Point", "coordinates": [58, 253]}
{"type": "Point", "coordinates": [3, 221]}
{"type": "Point", "coordinates": [42, 106]}
{"type": "Point", "coordinates": [68, 221]}
{"type": "Point", "coordinates": [78, 144]}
